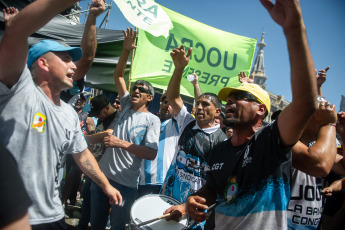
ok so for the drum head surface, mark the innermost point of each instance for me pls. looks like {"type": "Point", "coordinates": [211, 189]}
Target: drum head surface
{"type": "Point", "coordinates": [152, 206]}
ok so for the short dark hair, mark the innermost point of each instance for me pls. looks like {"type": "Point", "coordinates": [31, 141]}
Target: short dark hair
{"type": "Point", "coordinates": [213, 98]}
{"type": "Point", "coordinates": [146, 83]}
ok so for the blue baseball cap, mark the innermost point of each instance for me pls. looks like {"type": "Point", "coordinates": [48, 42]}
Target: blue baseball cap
{"type": "Point", "coordinates": [45, 46]}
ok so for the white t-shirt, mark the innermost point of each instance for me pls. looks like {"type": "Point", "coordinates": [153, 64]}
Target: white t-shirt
{"type": "Point", "coordinates": [39, 134]}
{"type": "Point", "coordinates": [136, 127]}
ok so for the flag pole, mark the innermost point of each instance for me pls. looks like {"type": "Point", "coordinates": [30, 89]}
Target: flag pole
{"type": "Point", "coordinates": [132, 58]}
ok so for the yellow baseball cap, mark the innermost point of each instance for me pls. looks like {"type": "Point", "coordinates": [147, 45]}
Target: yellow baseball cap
{"type": "Point", "coordinates": [259, 93]}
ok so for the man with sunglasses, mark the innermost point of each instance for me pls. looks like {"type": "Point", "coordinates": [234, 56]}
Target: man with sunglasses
{"type": "Point", "coordinates": [135, 137]}
{"type": "Point", "coordinates": [117, 104]}
{"type": "Point", "coordinates": [251, 172]}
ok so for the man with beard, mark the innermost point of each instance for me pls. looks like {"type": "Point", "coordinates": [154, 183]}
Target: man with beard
{"type": "Point", "coordinates": [135, 138]}
{"type": "Point", "coordinates": [251, 171]}
{"type": "Point", "coordinates": [187, 172]}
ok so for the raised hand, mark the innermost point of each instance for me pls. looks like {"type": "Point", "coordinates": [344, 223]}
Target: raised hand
{"type": "Point", "coordinates": [325, 114]}
{"type": "Point", "coordinates": [97, 7]}
{"type": "Point", "coordinates": [242, 78]}
{"type": "Point", "coordinates": [9, 13]}
{"type": "Point", "coordinates": [179, 56]}
{"type": "Point", "coordinates": [321, 76]}
{"type": "Point", "coordinates": [286, 13]}
{"type": "Point", "coordinates": [196, 78]}
{"type": "Point", "coordinates": [130, 36]}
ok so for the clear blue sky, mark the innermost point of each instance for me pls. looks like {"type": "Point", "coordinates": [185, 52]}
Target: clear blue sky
{"type": "Point", "coordinates": [324, 20]}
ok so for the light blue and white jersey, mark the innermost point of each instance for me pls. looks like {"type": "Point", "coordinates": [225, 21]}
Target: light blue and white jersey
{"type": "Point", "coordinates": [154, 172]}
{"type": "Point", "coordinates": [135, 127]}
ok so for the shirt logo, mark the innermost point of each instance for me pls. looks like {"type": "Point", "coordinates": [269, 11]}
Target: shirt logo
{"type": "Point", "coordinates": [246, 159]}
{"type": "Point", "coordinates": [39, 122]}
{"type": "Point", "coordinates": [231, 189]}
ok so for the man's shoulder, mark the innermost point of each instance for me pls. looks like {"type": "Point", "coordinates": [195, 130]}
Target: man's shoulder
{"type": "Point", "coordinates": [155, 119]}
{"type": "Point", "coordinates": [25, 85]}
{"type": "Point", "coordinates": [266, 129]}
{"type": "Point", "coordinates": [68, 109]}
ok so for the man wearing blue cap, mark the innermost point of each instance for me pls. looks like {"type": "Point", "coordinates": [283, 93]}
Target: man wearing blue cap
{"type": "Point", "coordinates": [49, 128]}
{"type": "Point", "coordinates": [251, 171]}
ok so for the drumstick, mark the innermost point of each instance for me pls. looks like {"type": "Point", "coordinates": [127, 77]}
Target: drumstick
{"type": "Point", "coordinates": [210, 209]}
{"type": "Point", "coordinates": [153, 220]}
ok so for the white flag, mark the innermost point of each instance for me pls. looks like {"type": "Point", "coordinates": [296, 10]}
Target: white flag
{"type": "Point", "coordinates": [146, 15]}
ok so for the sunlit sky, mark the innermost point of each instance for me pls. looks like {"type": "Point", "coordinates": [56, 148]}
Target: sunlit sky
{"type": "Point", "coordinates": [324, 20]}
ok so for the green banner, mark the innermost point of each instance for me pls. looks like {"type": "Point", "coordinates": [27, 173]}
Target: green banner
{"type": "Point", "coordinates": [217, 56]}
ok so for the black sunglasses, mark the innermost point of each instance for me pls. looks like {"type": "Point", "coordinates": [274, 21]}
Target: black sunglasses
{"type": "Point", "coordinates": [117, 102]}
{"type": "Point", "coordinates": [141, 89]}
{"type": "Point", "coordinates": [244, 95]}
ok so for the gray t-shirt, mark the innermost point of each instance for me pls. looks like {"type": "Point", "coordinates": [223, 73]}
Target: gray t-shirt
{"type": "Point", "coordinates": [136, 127]}
{"type": "Point", "coordinates": [38, 134]}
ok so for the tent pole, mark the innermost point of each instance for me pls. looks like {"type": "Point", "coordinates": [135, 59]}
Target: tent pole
{"type": "Point", "coordinates": [130, 70]}
{"type": "Point", "coordinates": [108, 14]}
{"type": "Point", "coordinates": [88, 6]}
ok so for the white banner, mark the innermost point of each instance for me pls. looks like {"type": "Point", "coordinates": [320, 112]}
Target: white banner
{"type": "Point", "coordinates": [146, 15]}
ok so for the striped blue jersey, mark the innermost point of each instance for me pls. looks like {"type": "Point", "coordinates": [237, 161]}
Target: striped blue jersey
{"type": "Point", "coordinates": [154, 172]}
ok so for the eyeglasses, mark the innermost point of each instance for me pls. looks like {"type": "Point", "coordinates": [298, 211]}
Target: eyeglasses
{"type": "Point", "coordinates": [117, 102]}
{"type": "Point", "coordinates": [141, 89]}
{"type": "Point", "coordinates": [244, 95]}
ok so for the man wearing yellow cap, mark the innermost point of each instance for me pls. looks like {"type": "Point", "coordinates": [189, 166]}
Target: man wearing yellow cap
{"type": "Point", "coordinates": [251, 171]}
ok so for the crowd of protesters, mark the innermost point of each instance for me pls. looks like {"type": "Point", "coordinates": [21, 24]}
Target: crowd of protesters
{"type": "Point", "coordinates": [225, 170]}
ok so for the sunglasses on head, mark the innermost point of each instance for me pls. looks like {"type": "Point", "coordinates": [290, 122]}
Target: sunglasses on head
{"type": "Point", "coordinates": [244, 95]}
{"type": "Point", "coordinates": [141, 89]}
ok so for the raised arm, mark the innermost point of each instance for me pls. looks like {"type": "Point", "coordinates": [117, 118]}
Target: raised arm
{"type": "Point", "coordinates": [128, 45]}
{"type": "Point", "coordinates": [181, 60]}
{"type": "Point", "coordinates": [197, 90]}
{"type": "Point", "coordinates": [318, 159]}
{"type": "Point", "coordinates": [242, 78]}
{"type": "Point", "coordinates": [14, 46]}
{"type": "Point", "coordinates": [88, 164]}
{"type": "Point", "coordinates": [89, 40]}
{"type": "Point", "coordinates": [293, 118]}
{"type": "Point", "coordinates": [320, 79]}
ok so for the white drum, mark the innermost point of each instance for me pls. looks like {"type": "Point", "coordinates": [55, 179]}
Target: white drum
{"type": "Point", "coordinates": [152, 206]}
